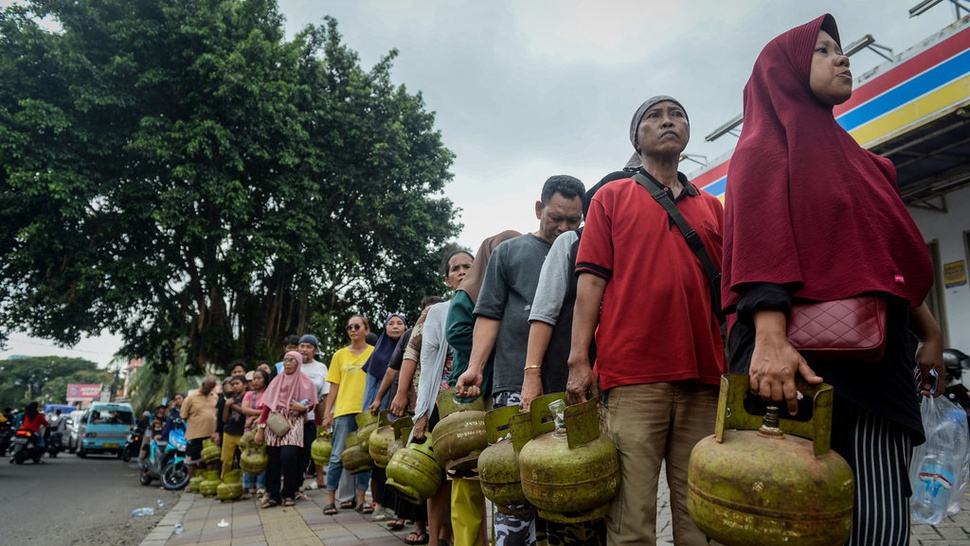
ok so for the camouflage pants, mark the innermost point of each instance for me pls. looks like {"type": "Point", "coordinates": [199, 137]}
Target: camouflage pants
{"type": "Point", "coordinates": [528, 530]}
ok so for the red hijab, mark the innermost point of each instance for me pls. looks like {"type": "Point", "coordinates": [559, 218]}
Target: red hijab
{"type": "Point", "coordinates": [286, 388]}
{"type": "Point", "coordinates": [805, 204]}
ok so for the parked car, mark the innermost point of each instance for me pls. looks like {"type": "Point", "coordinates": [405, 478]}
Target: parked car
{"type": "Point", "coordinates": [73, 433]}
{"type": "Point", "coordinates": [104, 428]}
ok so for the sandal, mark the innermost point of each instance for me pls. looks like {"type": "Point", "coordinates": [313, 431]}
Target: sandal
{"type": "Point", "coordinates": [395, 524]}
{"type": "Point", "coordinates": [269, 503]}
{"type": "Point", "coordinates": [289, 502]}
{"type": "Point", "coordinates": [330, 510]}
{"type": "Point", "coordinates": [365, 509]}
{"type": "Point", "coordinates": [416, 538]}
{"type": "Point", "coordinates": [348, 505]}
{"type": "Point", "coordinates": [301, 496]}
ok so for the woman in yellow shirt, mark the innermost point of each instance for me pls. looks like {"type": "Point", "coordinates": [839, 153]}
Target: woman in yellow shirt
{"type": "Point", "coordinates": [347, 381]}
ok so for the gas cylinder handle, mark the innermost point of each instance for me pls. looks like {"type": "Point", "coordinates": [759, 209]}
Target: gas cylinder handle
{"type": "Point", "coordinates": [542, 417]}
{"type": "Point", "coordinates": [448, 403]}
{"type": "Point", "coordinates": [731, 413]}
{"type": "Point", "coordinates": [400, 424]}
{"type": "Point", "coordinates": [497, 422]}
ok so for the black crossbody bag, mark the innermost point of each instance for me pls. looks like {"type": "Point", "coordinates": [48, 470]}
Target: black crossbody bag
{"type": "Point", "coordinates": [693, 239]}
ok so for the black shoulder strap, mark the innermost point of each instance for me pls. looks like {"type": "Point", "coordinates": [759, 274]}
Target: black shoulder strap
{"type": "Point", "coordinates": [694, 241]}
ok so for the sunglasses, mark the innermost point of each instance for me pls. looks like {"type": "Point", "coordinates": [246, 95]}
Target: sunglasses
{"type": "Point", "coordinates": [353, 327]}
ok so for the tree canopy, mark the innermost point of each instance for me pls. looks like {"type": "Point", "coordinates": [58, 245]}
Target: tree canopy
{"type": "Point", "coordinates": [44, 379]}
{"type": "Point", "coordinates": [182, 174]}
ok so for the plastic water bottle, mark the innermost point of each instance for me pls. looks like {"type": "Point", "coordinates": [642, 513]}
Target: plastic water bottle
{"type": "Point", "coordinates": [941, 465]}
{"type": "Point", "coordinates": [147, 511]}
{"type": "Point", "coordinates": [178, 528]}
{"type": "Point", "coordinates": [160, 503]}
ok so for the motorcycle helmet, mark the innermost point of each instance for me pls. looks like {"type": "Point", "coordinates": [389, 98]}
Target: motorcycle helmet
{"type": "Point", "coordinates": [955, 361]}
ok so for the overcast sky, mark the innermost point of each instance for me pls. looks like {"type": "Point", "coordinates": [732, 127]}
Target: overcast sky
{"type": "Point", "coordinates": [523, 90]}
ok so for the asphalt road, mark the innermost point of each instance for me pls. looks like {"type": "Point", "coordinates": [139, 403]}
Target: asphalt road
{"type": "Point", "coordinates": [76, 502]}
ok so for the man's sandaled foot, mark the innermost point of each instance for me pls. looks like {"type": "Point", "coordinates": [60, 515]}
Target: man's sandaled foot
{"type": "Point", "coordinates": [289, 502]}
{"type": "Point", "coordinates": [395, 524]}
{"type": "Point", "coordinates": [348, 505]}
{"type": "Point", "coordinates": [330, 510]}
{"type": "Point", "coordinates": [269, 503]}
{"type": "Point", "coordinates": [416, 538]}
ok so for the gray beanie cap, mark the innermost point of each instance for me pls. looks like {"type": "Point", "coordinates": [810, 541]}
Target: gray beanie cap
{"type": "Point", "coordinates": [648, 104]}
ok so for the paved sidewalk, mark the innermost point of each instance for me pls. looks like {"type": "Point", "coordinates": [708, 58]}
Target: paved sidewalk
{"type": "Point", "coordinates": [244, 524]}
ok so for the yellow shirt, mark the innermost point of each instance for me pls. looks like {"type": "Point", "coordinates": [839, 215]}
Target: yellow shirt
{"type": "Point", "coordinates": [199, 413]}
{"type": "Point", "coordinates": [345, 371]}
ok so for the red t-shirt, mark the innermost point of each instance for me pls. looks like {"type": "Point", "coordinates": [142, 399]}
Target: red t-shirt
{"type": "Point", "coordinates": [34, 424]}
{"type": "Point", "coordinates": [656, 323]}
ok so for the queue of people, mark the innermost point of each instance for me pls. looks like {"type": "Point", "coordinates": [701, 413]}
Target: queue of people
{"type": "Point", "coordinates": [610, 298]}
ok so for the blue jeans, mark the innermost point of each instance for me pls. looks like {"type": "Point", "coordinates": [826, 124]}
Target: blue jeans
{"type": "Point", "coordinates": [257, 481]}
{"type": "Point", "coordinates": [342, 426]}
{"type": "Point", "coordinates": [371, 389]}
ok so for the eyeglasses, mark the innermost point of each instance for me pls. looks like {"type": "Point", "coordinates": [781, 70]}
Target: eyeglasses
{"type": "Point", "coordinates": [353, 327]}
{"type": "Point", "coordinates": [288, 359]}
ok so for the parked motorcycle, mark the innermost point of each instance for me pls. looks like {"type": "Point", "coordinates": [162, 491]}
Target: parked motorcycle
{"type": "Point", "coordinates": [6, 436]}
{"type": "Point", "coordinates": [166, 461]}
{"type": "Point", "coordinates": [132, 444]}
{"type": "Point", "coordinates": [26, 445]}
{"type": "Point", "coordinates": [55, 443]}
{"type": "Point", "coordinates": [956, 361]}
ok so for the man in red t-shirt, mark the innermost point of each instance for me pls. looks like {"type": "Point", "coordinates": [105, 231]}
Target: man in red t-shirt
{"type": "Point", "coordinates": [659, 349]}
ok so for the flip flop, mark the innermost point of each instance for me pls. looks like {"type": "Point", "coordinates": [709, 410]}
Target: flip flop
{"type": "Point", "coordinates": [418, 538]}
{"type": "Point", "coordinates": [395, 524]}
{"type": "Point", "coordinates": [289, 502]}
{"type": "Point", "coordinates": [330, 510]}
{"type": "Point", "coordinates": [348, 505]}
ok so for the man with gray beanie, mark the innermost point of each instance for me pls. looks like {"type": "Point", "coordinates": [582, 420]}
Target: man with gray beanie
{"type": "Point", "coordinates": [644, 294]}
{"type": "Point", "coordinates": [317, 372]}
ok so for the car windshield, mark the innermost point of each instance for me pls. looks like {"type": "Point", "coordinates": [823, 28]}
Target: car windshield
{"type": "Point", "coordinates": [118, 417]}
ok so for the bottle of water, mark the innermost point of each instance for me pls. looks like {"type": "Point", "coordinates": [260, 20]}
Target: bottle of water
{"type": "Point", "coordinates": [147, 511]}
{"type": "Point", "coordinates": [940, 467]}
{"type": "Point", "coordinates": [161, 503]}
{"type": "Point", "coordinates": [178, 528]}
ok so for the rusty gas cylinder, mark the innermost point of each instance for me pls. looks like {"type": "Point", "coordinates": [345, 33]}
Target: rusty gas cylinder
{"type": "Point", "coordinates": [354, 459]}
{"type": "Point", "coordinates": [498, 465]}
{"type": "Point", "coordinates": [382, 438]}
{"type": "Point", "coordinates": [459, 437]}
{"type": "Point", "coordinates": [770, 481]}
{"type": "Point", "coordinates": [570, 473]}
{"type": "Point", "coordinates": [321, 448]}
{"type": "Point", "coordinates": [367, 423]}
{"type": "Point", "coordinates": [413, 471]}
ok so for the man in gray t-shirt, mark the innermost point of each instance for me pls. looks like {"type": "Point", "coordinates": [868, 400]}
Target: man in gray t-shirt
{"type": "Point", "coordinates": [502, 310]}
{"type": "Point", "coordinates": [502, 314]}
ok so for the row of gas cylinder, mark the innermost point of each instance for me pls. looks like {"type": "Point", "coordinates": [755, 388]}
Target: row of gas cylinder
{"type": "Point", "coordinates": [552, 458]}
{"type": "Point", "coordinates": [757, 480]}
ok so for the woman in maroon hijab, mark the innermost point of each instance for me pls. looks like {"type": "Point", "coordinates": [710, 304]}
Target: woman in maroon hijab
{"type": "Point", "coordinates": [811, 215]}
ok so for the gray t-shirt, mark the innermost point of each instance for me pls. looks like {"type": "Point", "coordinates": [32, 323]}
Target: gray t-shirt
{"type": "Point", "coordinates": [506, 295]}
{"type": "Point", "coordinates": [553, 305]}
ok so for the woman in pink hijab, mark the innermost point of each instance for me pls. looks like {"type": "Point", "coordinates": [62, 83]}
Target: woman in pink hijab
{"type": "Point", "coordinates": [292, 395]}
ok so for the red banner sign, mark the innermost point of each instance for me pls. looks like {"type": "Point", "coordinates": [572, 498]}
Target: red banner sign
{"type": "Point", "coordinates": [78, 392]}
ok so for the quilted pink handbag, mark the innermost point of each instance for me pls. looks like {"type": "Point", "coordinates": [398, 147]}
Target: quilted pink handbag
{"type": "Point", "coordinates": [839, 330]}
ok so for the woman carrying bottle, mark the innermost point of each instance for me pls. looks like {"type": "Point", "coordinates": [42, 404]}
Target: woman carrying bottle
{"type": "Point", "coordinates": [292, 396]}
{"type": "Point", "coordinates": [812, 216]}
